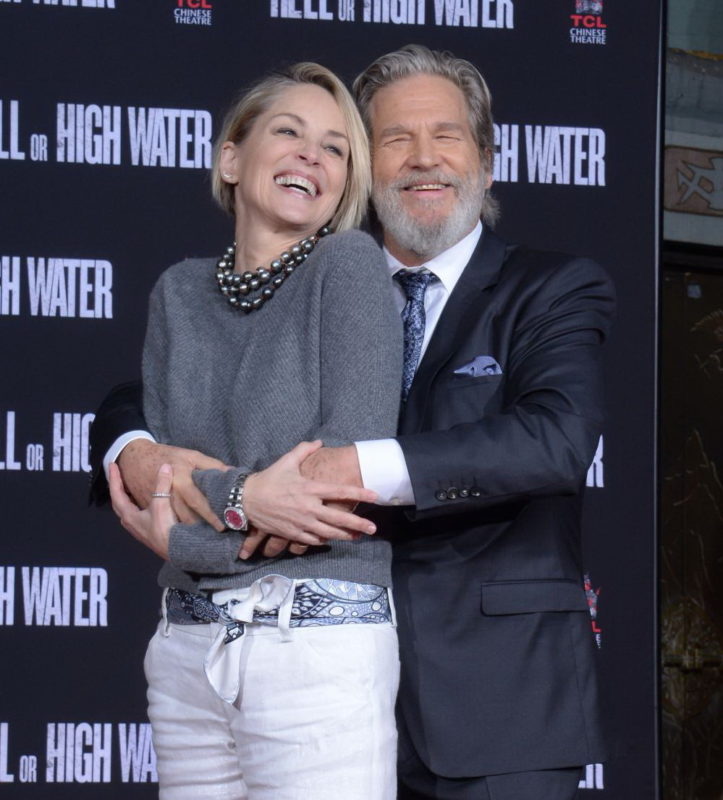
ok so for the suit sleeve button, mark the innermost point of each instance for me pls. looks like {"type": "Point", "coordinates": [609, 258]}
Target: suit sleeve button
{"type": "Point", "coordinates": [475, 492]}
{"type": "Point", "coordinates": [441, 495]}
{"type": "Point", "coordinates": [464, 492]}
{"type": "Point", "coordinates": [452, 493]}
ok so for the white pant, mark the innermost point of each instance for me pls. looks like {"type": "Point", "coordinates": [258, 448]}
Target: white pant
{"type": "Point", "coordinates": [314, 717]}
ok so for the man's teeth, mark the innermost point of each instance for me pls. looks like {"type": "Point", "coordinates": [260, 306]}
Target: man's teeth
{"type": "Point", "coordinates": [423, 187]}
{"type": "Point", "coordinates": [297, 182]}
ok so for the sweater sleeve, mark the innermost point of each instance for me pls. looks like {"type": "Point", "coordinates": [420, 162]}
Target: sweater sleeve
{"type": "Point", "coordinates": [360, 352]}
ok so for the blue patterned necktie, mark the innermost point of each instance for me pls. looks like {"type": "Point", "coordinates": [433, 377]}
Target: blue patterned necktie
{"type": "Point", "coordinates": [414, 283]}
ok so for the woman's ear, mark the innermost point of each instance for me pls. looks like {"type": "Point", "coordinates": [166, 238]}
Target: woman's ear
{"type": "Point", "coordinates": [228, 162]}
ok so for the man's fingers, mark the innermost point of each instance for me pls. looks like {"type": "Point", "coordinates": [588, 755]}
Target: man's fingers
{"type": "Point", "coordinates": [200, 506]}
{"type": "Point", "coordinates": [202, 461]}
{"type": "Point", "coordinates": [298, 549]}
{"type": "Point", "coordinates": [185, 514]}
{"type": "Point", "coordinates": [274, 546]}
{"type": "Point", "coordinates": [189, 502]}
{"type": "Point", "coordinates": [251, 543]}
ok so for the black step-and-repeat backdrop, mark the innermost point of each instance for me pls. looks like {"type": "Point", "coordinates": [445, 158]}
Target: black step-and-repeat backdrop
{"type": "Point", "coordinates": [107, 116]}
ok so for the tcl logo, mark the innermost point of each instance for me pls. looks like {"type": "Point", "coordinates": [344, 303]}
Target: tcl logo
{"type": "Point", "coordinates": [578, 20]}
{"type": "Point", "coordinates": [193, 4]}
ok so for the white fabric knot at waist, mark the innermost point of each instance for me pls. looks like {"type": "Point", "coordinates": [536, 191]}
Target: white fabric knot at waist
{"type": "Point", "coordinates": [222, 664]}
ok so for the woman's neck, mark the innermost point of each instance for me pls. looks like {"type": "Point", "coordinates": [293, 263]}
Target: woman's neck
{"type": "Point", "coordinates": [257, 248]}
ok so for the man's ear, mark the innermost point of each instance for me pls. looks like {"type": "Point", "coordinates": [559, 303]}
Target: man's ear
{"type": "Point", "coordinates": [490, 159]}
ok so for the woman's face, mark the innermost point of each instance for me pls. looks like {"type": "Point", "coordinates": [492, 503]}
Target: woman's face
{"type": "Point", "coordinates": [290, 170]}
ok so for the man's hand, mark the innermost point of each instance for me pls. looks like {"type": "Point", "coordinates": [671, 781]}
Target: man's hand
{"type": "Point", "coordinates": [281, 502]}
{"type": "Point", "coordinates": [139, 463]}
{"type": "Point", "coordinates": [271, 546]}
{"type": "Point", "coordinates": [333, 465]}
{"type": "Point", "coordinates": [150, 526]}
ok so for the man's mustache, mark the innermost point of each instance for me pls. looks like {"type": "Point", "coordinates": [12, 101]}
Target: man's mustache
{"type": "Point", "coordinates": [416, 178]}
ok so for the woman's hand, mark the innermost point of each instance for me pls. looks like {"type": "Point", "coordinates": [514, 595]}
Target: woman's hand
{"type": "Point", "coordinates": [151, 526]}
{"type": "Point", "coordinates": [281, 502]}
{"type": "Point", "coordinates": [140, 461]}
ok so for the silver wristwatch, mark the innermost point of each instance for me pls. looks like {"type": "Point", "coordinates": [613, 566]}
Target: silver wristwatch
{"type": "Point", "coordinates": [234, 515]}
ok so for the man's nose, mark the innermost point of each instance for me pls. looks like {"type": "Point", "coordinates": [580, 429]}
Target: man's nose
{"type": "Point", "coordinates": [424, 153]}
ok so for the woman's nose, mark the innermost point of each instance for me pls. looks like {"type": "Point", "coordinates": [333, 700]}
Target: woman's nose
{"type": "Point", "coordinates": [309, 151]}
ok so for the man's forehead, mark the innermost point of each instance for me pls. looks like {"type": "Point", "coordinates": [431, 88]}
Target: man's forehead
{"type": "Point", "coordinates": [420, 99]}
{"type": "Point", "coordinates": [417, 89]}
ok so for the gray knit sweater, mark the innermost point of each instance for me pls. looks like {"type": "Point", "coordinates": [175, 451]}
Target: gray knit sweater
{"type": "Point", "coordinates": [321, 360]}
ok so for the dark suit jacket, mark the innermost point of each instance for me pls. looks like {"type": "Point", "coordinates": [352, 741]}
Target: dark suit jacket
{"type": "Point", "coordinates": [120, 412]}
{"type": "Point", "coordinates": [498, 660]}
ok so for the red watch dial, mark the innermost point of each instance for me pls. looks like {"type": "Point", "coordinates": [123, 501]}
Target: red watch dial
{"type": "Point", "coordinates": [235, 519]}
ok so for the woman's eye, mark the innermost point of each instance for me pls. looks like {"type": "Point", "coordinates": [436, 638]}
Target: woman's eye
{"type": "Point", "coordinates": [334, 150]}
{"type": "Point", "coordinates": [287, 131]}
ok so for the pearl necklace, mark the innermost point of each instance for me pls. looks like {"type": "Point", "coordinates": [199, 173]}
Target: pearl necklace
{"type": "Point", "coordinates": [248, 291]}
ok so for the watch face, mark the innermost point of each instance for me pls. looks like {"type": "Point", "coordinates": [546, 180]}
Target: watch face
{"type": "Point", "coordinates": [235, 519]}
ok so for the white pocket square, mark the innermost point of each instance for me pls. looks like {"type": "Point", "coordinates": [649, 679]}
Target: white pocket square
{"type": "Point", "coordinates": [481, 365]}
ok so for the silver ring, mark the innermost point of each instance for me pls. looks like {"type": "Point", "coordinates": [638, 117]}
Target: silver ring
{"type": "Point", "coordinates": [160, 494]}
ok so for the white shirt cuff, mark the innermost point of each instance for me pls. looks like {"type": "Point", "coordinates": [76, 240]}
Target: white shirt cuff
{"type": "Point", "coordinates": [117, 447]}
{"type": "Point", "coordinates": [384, 470]}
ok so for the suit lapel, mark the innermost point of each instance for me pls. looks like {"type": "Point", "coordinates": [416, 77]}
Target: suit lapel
{"type": "Point", "coordinates": [465, 304]}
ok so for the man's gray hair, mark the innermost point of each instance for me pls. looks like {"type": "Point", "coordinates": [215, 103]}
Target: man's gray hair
{"type": "Point", "coordinates": [416, 59]}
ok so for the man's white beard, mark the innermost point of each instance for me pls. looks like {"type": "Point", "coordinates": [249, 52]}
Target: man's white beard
{"type": "Point", "coordinates": [424, 238]}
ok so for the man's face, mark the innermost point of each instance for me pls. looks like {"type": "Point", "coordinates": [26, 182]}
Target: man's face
{"type": "Point", "coordinates": [429, 180]}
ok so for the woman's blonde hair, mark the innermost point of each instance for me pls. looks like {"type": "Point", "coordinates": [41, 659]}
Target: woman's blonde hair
{"type": "Point", "coordinates": [256, 101]}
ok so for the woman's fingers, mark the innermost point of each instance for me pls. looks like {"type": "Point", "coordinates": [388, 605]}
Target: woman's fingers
{"type": "Point", "coordinates": [281, 502]}
{"type": "Point", "coordinates": [150, 526]}
{"type": "Point", "coordinates": [161, 495]}
{"type": "Point", "coordinates": [335, 491]}
{"type": "Point", "coordinates": [162, 514]}
{"type": "Point", "coordinates": [120, 502]}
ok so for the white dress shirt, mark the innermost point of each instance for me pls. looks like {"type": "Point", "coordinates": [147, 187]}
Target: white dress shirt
{"type": "Point", "coordinates": [381, 461]}
{"type": "Point", "coordinates": [116, 448]}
